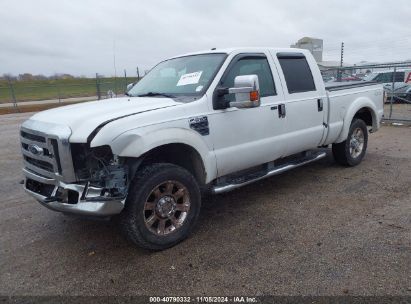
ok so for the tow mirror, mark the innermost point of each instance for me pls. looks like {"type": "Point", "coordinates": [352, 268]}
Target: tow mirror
{"type": "Point", "coordinates": [247, 93]}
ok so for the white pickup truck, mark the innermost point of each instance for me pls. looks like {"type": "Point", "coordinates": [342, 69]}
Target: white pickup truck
{"type": "Point", "coordinates": [203, 122]}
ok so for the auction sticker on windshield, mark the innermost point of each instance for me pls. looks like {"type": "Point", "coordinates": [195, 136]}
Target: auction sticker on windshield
{"type": "Point", "coordinates": [191, 78]}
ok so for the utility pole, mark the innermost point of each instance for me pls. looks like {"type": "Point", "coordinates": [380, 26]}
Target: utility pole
{"type": "Point", "coordinates": [339, 74]}
{"type": "Point", "coordinates": [138, 74]}
{"type": "Point", "coordinates": [115, 68]}
{"type": "Point", "coordinates": [98, 87]}
{"type": "Point", "coordinates": [125, 79]}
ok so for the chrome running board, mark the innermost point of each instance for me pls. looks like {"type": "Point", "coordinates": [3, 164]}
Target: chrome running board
{"type": "Point", "coordinates": [217, 189]}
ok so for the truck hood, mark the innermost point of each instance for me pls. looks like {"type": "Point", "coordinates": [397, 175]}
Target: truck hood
{"type": "Point", "coordinates": [84, 118]}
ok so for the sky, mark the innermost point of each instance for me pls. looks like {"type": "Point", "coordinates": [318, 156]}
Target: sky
{"type": "Point", "coordinates": [83, 37]}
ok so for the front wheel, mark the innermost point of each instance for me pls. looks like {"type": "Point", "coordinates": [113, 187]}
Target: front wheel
{"type": "Point", "coordinates": [162, 206]}
{"type": "Point", "coordinates": [351, 151]}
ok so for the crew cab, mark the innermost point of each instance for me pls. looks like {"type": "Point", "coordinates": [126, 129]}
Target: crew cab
{"type": "Point", "coordinates": [205, 122]}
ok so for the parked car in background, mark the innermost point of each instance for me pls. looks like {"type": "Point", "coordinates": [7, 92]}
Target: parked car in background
{"type": "Point", "coordinates": [401, 90]}
{"type": "Point", "coordinates": [351, 78]}
{"type": "Point", "coordinates": [344, 78]}
{"type": "Point", "coordinates": [360, 75]}
{"type": "Point", "coordinates": [328, 78]}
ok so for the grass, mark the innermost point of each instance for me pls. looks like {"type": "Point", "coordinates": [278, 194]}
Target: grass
{"type": "Point", "coordinates": [28, 90]}
{"type": "Point", "coordinates": [23, 108]}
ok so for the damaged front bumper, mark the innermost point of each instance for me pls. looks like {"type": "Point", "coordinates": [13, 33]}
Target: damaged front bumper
{"type": "Point", "coordinates": [81, 199]}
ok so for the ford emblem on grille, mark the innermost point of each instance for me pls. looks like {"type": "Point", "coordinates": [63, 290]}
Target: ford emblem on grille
{"type": "Point", "coordinates": [35, 150]}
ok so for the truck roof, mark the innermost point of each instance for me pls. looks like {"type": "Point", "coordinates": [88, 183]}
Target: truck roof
{"type": "Point", "coordinates": [244, 49]}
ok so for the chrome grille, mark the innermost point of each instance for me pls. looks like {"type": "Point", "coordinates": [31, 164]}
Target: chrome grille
{"type": "Point", "coordinates": [39, 153]}
{"type": "Point", "coordinates": [39, 163]}
{"type": "Point", "coordinates": [46, 151]}
{"type": "Point", "coordinates": [33, 137]}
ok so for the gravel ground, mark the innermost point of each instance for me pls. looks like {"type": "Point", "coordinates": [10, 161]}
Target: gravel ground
{"type": "Point", "coordinates": [318, 230]}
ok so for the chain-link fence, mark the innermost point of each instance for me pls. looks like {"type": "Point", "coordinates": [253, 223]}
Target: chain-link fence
{"type": "Point", "coordinates": [17, 93]}
{"type": "Point", "coordinates": [394, 77]}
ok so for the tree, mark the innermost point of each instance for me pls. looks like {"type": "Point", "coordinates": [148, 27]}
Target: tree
{"type": "Point", "coordinates": [25, 76]}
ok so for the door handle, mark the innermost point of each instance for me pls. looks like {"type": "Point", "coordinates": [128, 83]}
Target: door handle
{"type": "Point", "coordinates": [320, 104]}
{"type": "Point", "coordinates": [281, 110]}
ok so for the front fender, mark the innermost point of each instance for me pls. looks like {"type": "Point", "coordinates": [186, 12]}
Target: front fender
{"type": "Point", "coordinates": [135, 143]}
{"type": "Point", "coordinates": [358, 104]}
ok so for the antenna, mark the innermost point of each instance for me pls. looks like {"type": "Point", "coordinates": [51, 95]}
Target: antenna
{"type": "Point", "coordinates": [339, 71]}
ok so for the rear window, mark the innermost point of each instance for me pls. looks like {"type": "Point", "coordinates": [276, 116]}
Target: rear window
{"type": "Point", "coordinates": [399, 76]}
{"type": "Point", "coordinates": [387, 77]}
{"type": "Point", "coordinates": [297, 73]}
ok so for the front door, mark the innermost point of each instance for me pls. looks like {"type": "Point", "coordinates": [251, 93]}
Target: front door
{"type": "Point", "coordinates": [244, 138]}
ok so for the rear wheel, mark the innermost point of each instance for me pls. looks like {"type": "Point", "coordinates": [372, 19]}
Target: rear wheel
{"type": "Point", "coordinates": [162, 206]}
{"type": "Point", "coordinates": [351, 151]}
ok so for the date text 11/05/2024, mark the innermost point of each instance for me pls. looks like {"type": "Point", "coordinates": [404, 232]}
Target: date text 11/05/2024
{"type": "Point", "coordinates": [203, 299]}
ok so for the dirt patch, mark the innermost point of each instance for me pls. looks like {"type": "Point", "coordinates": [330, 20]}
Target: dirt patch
{"type": "Point", "coordinates": [321, 229]}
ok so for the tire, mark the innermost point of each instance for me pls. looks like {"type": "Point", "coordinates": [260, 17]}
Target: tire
{"type": "Point", "coordinates": [351, 151]}
{"type": "Point", "coordinates": [162, 206]}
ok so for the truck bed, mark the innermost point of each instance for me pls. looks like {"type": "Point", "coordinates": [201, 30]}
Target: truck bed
{"type": "Point", "coordinates": [335, 86]}
{"type": "Point", "coordinates": [341, 98]}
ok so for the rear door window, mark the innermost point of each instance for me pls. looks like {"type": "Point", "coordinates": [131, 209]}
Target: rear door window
{"type": "Point", "coordinates": [297, 73]}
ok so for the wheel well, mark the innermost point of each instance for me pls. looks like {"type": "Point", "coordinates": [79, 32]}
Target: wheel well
{"type": "Point", "coordinates": [179, 154]}
{"type": "Point", "coordinates": [365, 115]}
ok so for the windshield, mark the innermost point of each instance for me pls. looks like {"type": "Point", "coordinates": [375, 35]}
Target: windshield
{"type": "Point", "coordinates": [370, 76]}
{"type": "Point", "coordinates": [190, 75]}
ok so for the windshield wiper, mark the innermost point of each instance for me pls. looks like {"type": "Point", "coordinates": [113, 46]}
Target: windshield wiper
{"type": "Point", "coordinates": [151, 94]}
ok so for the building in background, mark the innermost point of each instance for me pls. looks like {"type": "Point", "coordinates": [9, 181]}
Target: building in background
{"type": "Point", "coordinates": [314, 45]}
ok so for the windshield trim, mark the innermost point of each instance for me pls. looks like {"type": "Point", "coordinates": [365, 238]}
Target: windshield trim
{"type": "Point", "coordinates": [199, 94]}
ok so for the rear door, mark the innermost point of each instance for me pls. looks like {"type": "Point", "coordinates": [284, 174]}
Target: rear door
{"type": "Point", "coordinates": [305, 102]}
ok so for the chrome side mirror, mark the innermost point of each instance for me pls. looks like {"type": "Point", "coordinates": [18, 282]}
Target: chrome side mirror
{"type": "Point", "coordinates": [247, 92]}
